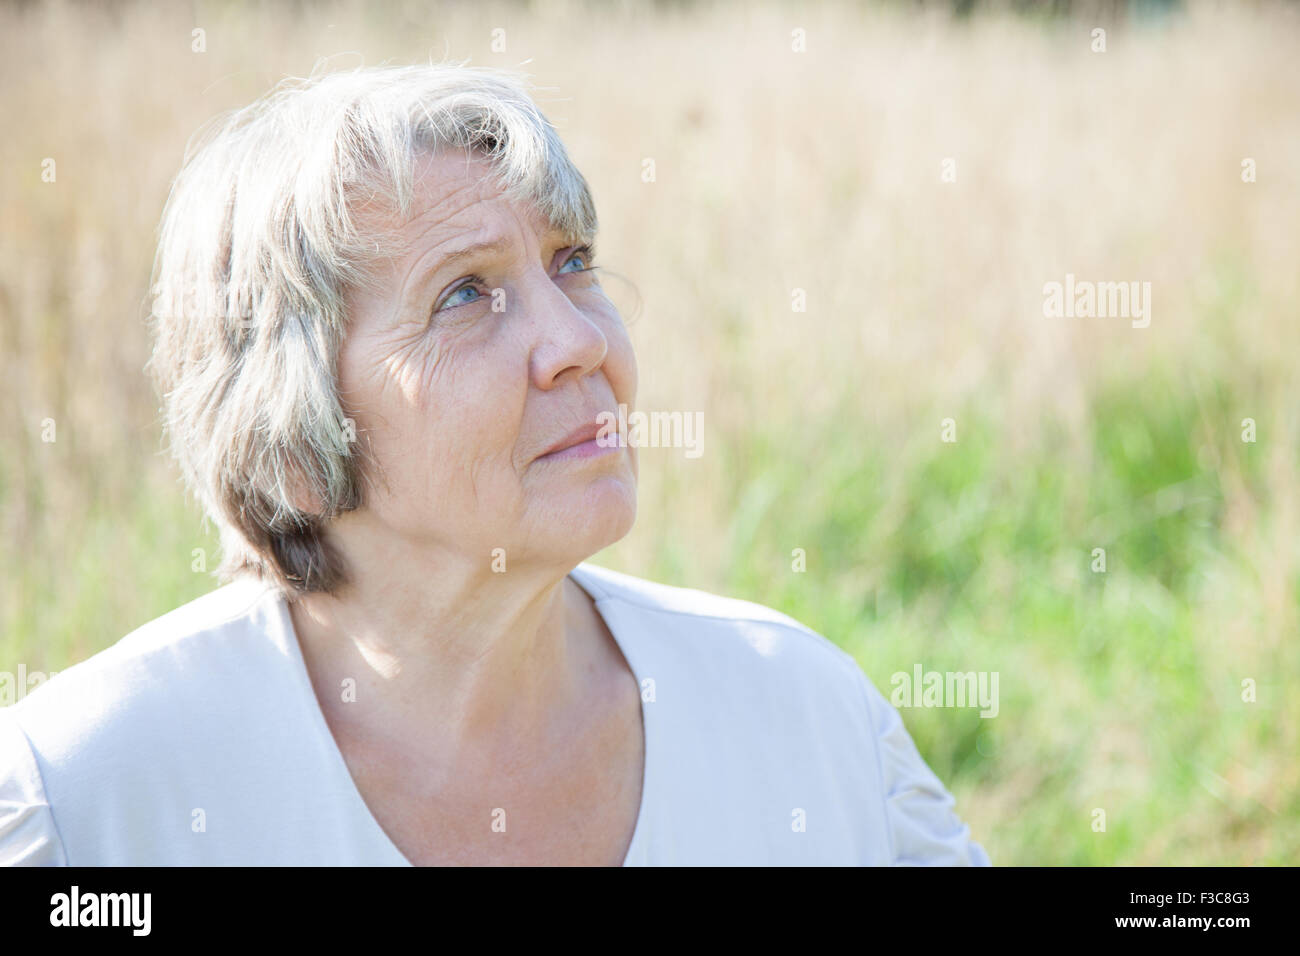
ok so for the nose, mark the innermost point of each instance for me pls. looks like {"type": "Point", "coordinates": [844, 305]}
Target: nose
{"type": "Point", "coordinates": [565, 339]}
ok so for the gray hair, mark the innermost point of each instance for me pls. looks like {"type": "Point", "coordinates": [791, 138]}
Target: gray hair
{"type": "Point", "coordinates": [258, 245]}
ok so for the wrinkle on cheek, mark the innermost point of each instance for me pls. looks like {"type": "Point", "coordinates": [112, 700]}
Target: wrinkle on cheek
{"type": "Point", "coordinates": [366, 390]}
{"type": "Point", "coordinates": [404, 369]}
{"type": "Point", "coordinates": [385, 381]}
{"type": "Point", "coordinates": [431, 374]}
{"type": "Point", "coordinates": [472, 469]}
{"type": "Point", "coordinates": [437, 370]}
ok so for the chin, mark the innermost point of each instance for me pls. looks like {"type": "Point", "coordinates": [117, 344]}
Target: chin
{"type": "Point", "coordinates": [610, 510]}
{"type": "Point", "coordinates": [598, 515]}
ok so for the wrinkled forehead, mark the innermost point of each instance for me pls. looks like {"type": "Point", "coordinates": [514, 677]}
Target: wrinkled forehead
{"type": "Point", "coordinates": [457, 189]}
{"type": "Point", "coordinates": [454, 192]}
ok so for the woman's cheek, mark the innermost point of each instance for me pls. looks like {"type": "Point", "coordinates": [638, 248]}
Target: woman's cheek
{"type": "Point", "coordinates": [620, 367]}
{"type": "Point", "coordinates": [447, 369]}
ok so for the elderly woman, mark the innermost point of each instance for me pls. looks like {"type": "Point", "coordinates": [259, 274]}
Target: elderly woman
{"type": "Point", "coordinates": [387, 368]}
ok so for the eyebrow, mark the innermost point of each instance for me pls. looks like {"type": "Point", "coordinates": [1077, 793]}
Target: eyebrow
{"type": "Point", "coordinates": [493, 246]}
{"type": "Point", "coordinates": [421, 282]}
{"type": "Point", "coordinates": [420, 285]}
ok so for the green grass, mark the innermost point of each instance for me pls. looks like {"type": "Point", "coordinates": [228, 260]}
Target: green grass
{"type": "Point", "coordinates": [1116, 691]}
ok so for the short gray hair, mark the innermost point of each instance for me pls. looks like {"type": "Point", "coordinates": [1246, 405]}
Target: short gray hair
{"type": "Point", "coordinates": [259, 243]}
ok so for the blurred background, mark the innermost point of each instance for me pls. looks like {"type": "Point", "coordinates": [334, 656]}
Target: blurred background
{"type": "Point", "coordinates": [911, 175]}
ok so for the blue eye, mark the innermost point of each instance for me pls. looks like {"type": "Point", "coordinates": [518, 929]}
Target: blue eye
{"type": "Point", "coordinates": [470, 286]}
{"type": "Point", "coordinates": [583, 256]}
{"type": "Point", "coordinates": [452, 300]}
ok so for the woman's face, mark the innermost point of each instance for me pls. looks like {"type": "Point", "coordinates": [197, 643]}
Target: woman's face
{"type": "Point", "coordinates": [461, 403]}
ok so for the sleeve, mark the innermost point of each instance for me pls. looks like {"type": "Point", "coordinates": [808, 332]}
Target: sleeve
{"type": "Point", "coordinates": [924, 830]}
{"type": "Point", "coordinates": [28, 836]}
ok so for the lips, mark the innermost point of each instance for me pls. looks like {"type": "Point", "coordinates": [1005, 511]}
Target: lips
{"type": "Point", "coordinates": [579, 435]}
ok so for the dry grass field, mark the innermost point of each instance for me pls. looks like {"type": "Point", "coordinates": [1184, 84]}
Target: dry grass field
{"type": "Point", "coordinates": [809, 271]}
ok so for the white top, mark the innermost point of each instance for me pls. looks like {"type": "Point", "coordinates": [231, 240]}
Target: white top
{"type": "Point", "coordinates": [197, 739]}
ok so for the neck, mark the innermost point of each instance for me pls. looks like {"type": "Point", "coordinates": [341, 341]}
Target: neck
{"type": "Point", "coordinates": [492, 659]}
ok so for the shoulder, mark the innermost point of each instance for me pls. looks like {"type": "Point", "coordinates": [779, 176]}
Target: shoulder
{"type": "Point", "coordinates": [746, 669]}
{"type": "Point", "coordinates": [749, 666]}
{"type": "Point", "coordinates": [712, 626]}
{"type": "Point", "coordinates": [164, 661]}
{"type": "Point", "coordinates": [161, 689]}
